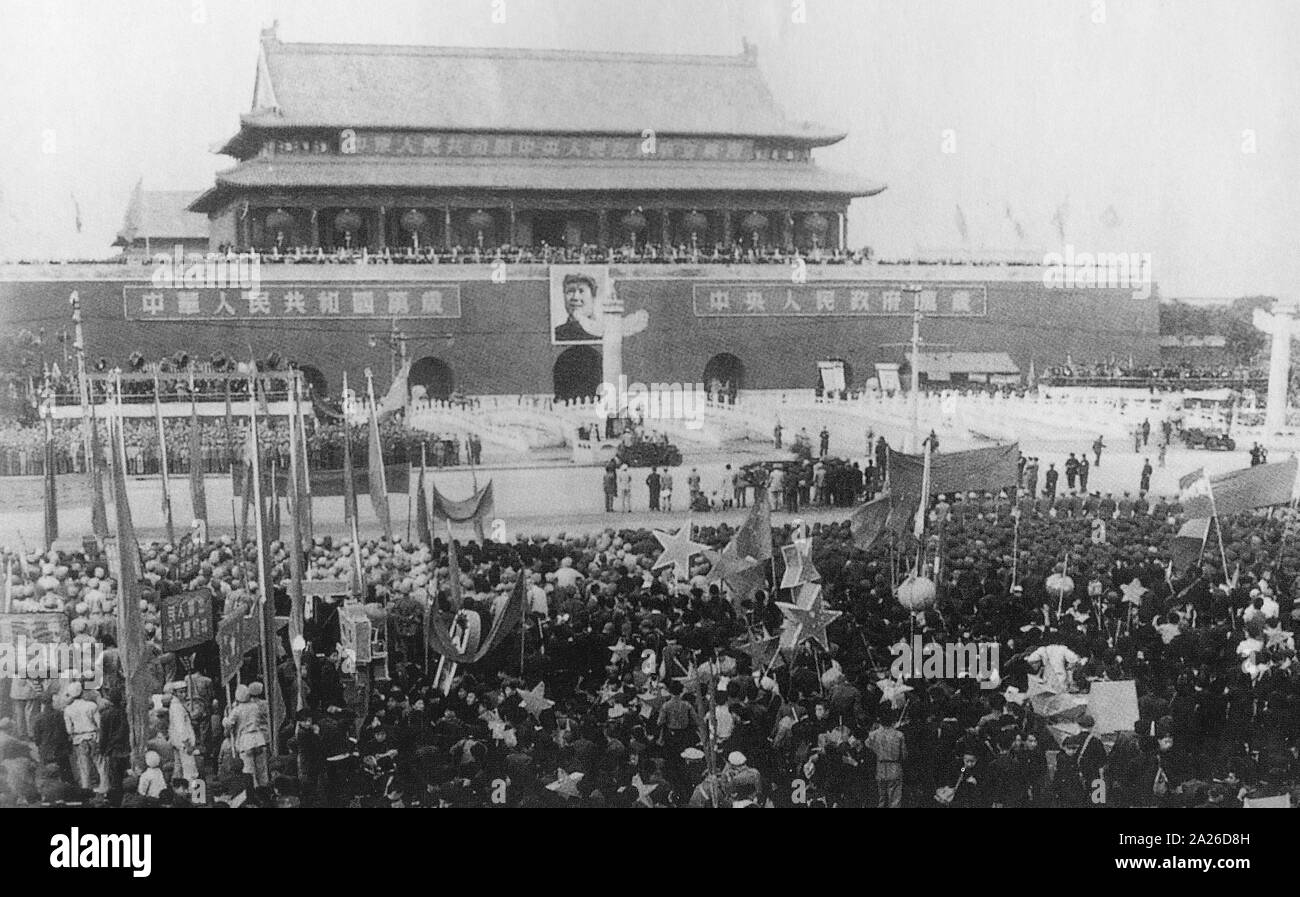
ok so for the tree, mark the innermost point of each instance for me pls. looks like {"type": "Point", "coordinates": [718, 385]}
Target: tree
{"type": "Point", "coordinates": [20, 368]}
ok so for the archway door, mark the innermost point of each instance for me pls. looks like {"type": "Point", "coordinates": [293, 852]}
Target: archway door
{"type": "Point", "coordinates": [724, 373]}
{"type": "Point", "coordinates": [434, 375]}
{"type": "Point", "coordinates": [576, 374]}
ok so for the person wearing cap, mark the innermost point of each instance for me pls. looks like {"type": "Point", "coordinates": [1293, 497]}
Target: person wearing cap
{"type": "Point", "coordinates": [739, 776]}
{"type": "Point", "coordinates": [890, 748]}
{"type": "Point", "coordinates": [152, 782]}
{"type": "Point", "coordinates": [248, 729]}
{"type": "Point", "coordinates": [81, 719]}
{"type": "Point", "coordinates": [625, 488]}
{"type": "Point", "coordinates": [180, 732]}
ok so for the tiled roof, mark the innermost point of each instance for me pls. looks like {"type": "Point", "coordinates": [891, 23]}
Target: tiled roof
{"type": "Point", "coordinates": [539, 174]}
{"type": "Point", "coordinates": [550, 91]}
{"type": "Point", "coordinates": [162, 215]}
{"type": "Point", "coordinates": [944, 363]}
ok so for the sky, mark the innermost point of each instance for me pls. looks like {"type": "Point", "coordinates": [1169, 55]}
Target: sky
{"type": "Point", "coordinates": [1143, 126]}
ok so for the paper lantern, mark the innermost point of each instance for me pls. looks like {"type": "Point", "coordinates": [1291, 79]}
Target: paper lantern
{"type": "Point", "coordinates": [695, 222]}
{"type": "Point", "coordinates": [816, 224]}
{"type": "Point", "coordinates": [634, 221]}
{"type": "Point", "coordinates": [916, 593]}
{"type": "Point", "coordinates": [347, 221]}
{"type": "Point", "coordinates": [413, 220]}
{"type": "Point", "coordinates": [1060, 586]}
{"type": "Point", "coordinates": [754, 221]}
{"type": "Point", "coordinates": [279, 220]}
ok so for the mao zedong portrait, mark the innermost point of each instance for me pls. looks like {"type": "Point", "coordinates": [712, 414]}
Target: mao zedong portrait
{"type": "Point", "coordinates": [580, 324]}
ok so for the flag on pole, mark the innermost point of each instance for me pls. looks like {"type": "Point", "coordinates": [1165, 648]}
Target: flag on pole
{"type": "Point", "coordinates": [349, 481]}
{"type": "Point", "coordinates": [51, 488]}
{"type": "Point", "coordinates": [754, 538]}
{"type": "Point", "coordinates": [918, 526]}
{"type": "Point", "coordinates": [869, 522]}
{"type": "Point", "coordinates": [297, 604]}
{"type": "Point", "coordinates": [423, 531]}
{"type": "Point", "coordinates": [1196, 494]}
{"type": "Point", "coordinates": [961, 223]}
{"type": "Point", "coordinates": [395, 398]}
{"type": "Point", "coordinates": [98, 510]}
{"type": "Point", "coordinates": [453, 574]}
{"type": "Point", "coordinates": [304, 464]}
{"type": "Point", "coordinates": [130, 636]}
{"type": "Point", "coordinates": [162, 462]}
{"type": "Point", "coordinates": [378, 488]}
{"type": "Point", "coordinates": [198, 493]}
{"type": "Point", "coordinates": [270, 680]}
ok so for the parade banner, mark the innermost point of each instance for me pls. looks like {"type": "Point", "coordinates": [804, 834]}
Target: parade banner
{"type": "Point", "coordinates": [977, 470]}
{"type": "Point", "coordinates": [1113, 706]}
{"type": "Point", "coordinates": [189, 554]}
{"type": "Point", "coordinates": [837, 298]}
{"type": "Point", "coordinates": [380, 303]}
{"type": "Point", "coordinates": [236, 636]}
{"type": "Point", "coordinates": [46, 629]}
{"type": "Point", "coordinates": [185, 620]}
{"type": "Point", "coordinates": [329, 483]}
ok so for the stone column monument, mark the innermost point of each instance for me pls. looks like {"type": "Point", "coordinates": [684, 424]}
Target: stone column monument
{"type": "Point", "coordinates": [1281, 325]}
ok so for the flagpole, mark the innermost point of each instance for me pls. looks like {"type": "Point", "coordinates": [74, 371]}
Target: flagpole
{"type": "Point", "coordinates": [1214, 512]}
{"type": "Point", "coordinates": [374, 422]}
{"type": "Point", "coordinates": [297, 613]}
{"type": "Point", "coordinates": [263, 568]}
{"type": "Point", "coordinates": [162, 461]}
{"type": "Point", "coordinates": [79, 347]}
{"type": "Point", "coordinates": [306, 461]}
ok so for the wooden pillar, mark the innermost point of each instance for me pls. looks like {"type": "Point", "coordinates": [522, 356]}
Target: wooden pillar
{"type": "Point", "coordinates": [510, 238]}
{"type": "Point", "coordinates": [666, 231]}
{"type": "Point", "coordinates": [726, 227]}
{"type": "Point", "coordinates": [446, 227]}
{"type": "Point", "coordinates": [843, 230]}
{"type": "Point", "coordinates": [602, 228]}
{"type": "Point", "coordinates": [381, 238]}
{"type": "Point", "coordinates": [787, 230]}
{"type": "Point", "coordinates": [314, 228]}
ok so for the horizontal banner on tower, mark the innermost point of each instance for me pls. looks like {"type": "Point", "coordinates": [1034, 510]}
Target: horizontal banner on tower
{"type": "Point", "coordinates": [293, 301]}
{"type": "Point", "coordinates": [829, 298]}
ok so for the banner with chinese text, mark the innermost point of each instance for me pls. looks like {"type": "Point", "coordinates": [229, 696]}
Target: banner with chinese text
{"type": "Point", "coordinates": [852, 298]}
{"type": "Point", "coordinates": [289, 301]}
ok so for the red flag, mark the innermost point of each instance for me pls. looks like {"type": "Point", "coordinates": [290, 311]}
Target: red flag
{"type": "Point", "coordinates": [378, 488]}
{"type": "Point", "coordinates": [51, 489]}
{"type": "Point", "coordinates": [130, 621]}
{"type": "Point", "coordinates": [423, 531]}
{"type": "Point", "coordinates": [198, 492]}
{"type": "Point", "coordinates": [754, 538]}
{"type": "Point", "coordinates": [869, 522]}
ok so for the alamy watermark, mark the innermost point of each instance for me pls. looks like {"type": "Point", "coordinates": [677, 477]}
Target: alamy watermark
{"type": "Point", "coordinates": [215, 270]}
{"type": "Point", "coordinates": [950, 660]}
{"type": "Point", "coordinates": [657, 401]}
{"type": "Point", "coordinates": [44, 661]}
{"type": "Point", "coordinates": [1098, 270]}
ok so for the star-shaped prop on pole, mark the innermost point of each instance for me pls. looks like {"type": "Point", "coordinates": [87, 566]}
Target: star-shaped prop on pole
{"type": "Point", "coordinates": [799, 567]}
{"type": "Point", "coordinates": [535, 701]}
{"type": "Point", "coordinates": [1133, 592]}
{"type": "Point", "coordinates": [763, 651]}
{"type": "Point", "coordinates": [808, 618]}
{"type": "Point", "coordinates": [678, 549]}
{"type": "Point", "coordinates": [725, 564]}
{"type": "Point", "coordinates": [620, 651]}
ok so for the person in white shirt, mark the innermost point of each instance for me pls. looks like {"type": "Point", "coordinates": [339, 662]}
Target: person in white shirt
{"type": "Point", "coordinates": [1056, 661]}
{"type": "Point", "coordinates": [81, 719]}
{"type": "Point", "coordinates": [152, 782]}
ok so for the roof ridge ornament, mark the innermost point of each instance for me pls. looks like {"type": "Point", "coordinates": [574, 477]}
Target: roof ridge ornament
{"type": "Point", "coordinates": [264, 99]}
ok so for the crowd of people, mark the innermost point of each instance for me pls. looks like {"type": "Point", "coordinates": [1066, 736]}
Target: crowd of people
{"type": "Point", "coordinates": [1165, 378]}
{"type": "Point", "coordinates": [223, 445]}
{"type": "Point", "coordinates": [629, 686]}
